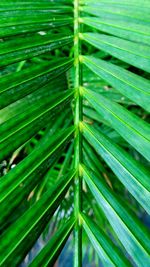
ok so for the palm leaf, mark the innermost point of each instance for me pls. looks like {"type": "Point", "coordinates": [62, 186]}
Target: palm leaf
{"type": "Point", "coordinates": [74, 133]}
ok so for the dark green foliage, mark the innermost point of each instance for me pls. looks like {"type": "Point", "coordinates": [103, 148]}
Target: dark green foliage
{"type": "Point", "coordinates": [74, 133]}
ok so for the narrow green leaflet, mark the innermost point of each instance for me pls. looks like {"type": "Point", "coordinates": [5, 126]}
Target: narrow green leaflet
{"type": "Point", "coordinates": [14, 17]}
{"type": "Point", "coordinates": [135, 54]}
{"type": "Point", "coordinates": [67, 161]}
{"type": "Point", "coordinates": [131, 173]}
{"type": "Point", "coordinates": [49, 253]}
{"type": "Point", "coordinates": [18, 129]}
{"type": "Point", "coordinates": [12, 51]}
{"type": "Point", "coordinates": [20, 236]}
{"type": "Point", "coordinates": [20, 181]}
{"type": "Point", "coordinates": [133, 129]}
{"type": "Point", "coordinates": [126, 29]}
{"type": "Point", "coordinates": [130, 232]}
{"type": "Point", "coordinates": [92, 157]}
{"type": "Point", "coordinates": [34, 27]}
{"type": "Point", "coordinates": [36, 17]}
{"type": "Point", "coordinates": [46, 149]}
{"type": "Point", "coordinates": [129, 84]}
{"type": "Point", "coordinates": [92, 114]}
{"type": "Point", "coordinates": [47, 90]}
{"type": "Point", "coordinates": [109, 254]}
{"type": "Point", "coordinates": [19, 84]}
{"type": "Point", "coordinates": [122, 10]}
{"type": "Point", "coordinates": [29, 7]}
{"type": "Point", "coordinates": [55, 7]}
{"type": "Point", "coordinates": [127, 3]}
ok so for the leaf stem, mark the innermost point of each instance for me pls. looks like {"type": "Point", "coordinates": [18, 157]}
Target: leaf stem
{"type": "Point", "coordinates": [78, 137]}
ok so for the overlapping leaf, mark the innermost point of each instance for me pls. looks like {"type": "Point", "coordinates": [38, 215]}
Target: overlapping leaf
{"type": "Point", "coordinates": [131, 173]}
{"type": "Point", "coordinates": [108, 254]}
{"type": "Point", "coordinates": [135, 54]}
{"type": "Point", "coordinates": [19, 129]}
{"type": "Point", "coordinates": [128, 229]}
{"type": "Point", "coordinates": [19, 84]}
{"type": "Point", "coordinates": [129, 84]}
{"type": "Point", "coordinates": [27, 47]}
{"type": "Point", "coordinates": [20, 237]}
{"type": "Point", "coordinates": [49, 253]}
{"type": "Point", "coordinates": [129, 126]}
